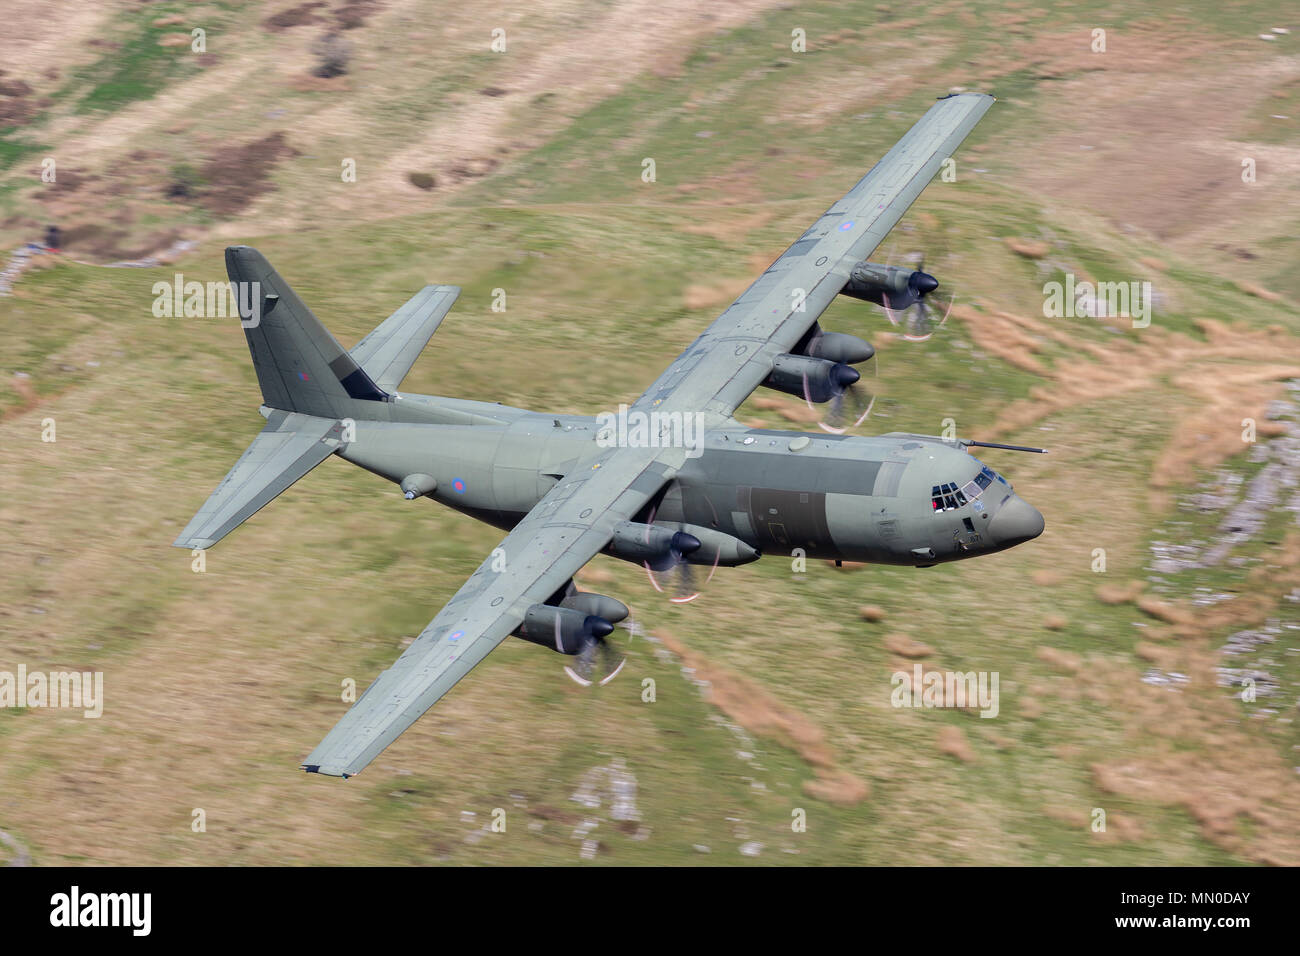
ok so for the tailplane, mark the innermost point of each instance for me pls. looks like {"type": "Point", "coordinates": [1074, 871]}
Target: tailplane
{"type": "Point", "coordinates": [300, 365]}
{"type": "Point", "coordinates": [288, 447]}
{"type": "Point", "coordinates": [388, 352]}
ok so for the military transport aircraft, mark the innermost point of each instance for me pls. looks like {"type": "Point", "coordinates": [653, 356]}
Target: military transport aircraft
{"type": "Point", "coordinates": [568, 492]}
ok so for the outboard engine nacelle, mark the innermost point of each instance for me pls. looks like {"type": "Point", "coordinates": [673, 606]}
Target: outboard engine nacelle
{"type": "Point", "coordinates": [562, 629]}
{"type": "Point", "coordinates": [889, 286]}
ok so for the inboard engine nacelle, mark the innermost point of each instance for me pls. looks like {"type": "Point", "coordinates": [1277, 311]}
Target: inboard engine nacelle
{"type": "Point", "coordinates": [562, 629]}
{"type": "Point", "coordinates": [835, 346]}
{"type": "Point", "coordinates": [814, 379]}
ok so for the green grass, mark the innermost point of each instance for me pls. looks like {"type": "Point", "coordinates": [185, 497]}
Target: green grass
{"type": "Point", "coordinates": [234, 674]}
{"type": "Point", "coordinates": [139, 68]}
{"type": "Point", "coordinates": [13, 148]}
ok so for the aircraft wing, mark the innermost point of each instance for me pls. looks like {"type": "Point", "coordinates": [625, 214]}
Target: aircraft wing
{"type": "Point", "coordinates": [390, 350]}
{"type": "Point", "coordinates": [568, 527]}
{"type": "Point", "coordinates": [717, 372]}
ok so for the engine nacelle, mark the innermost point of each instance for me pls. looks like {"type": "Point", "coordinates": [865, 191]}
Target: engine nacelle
{"type": "Point", "coordinates": [662, 545]}
{"type": "Point", "coordinates": [889, 286]}
{"type": "Point", "coordinates": [562, 629]}
{"type": "Point", "coordinates": [658, 546]}
{"type": "Point", "coordinates": [816, 379]}
{"type": "Point", "coordinates": [717, 548]}
{"type": "Point", "coordinates": [598, 605]}
{"type": "Point", "coordinates": [836, 347]}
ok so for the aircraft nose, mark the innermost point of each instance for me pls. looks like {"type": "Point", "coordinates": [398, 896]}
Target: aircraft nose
{"type": "Point", "coordinates": [1015, 522]}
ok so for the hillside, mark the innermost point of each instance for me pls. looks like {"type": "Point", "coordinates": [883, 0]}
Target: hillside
{"type": "Point", "coordinates": [522, 171]}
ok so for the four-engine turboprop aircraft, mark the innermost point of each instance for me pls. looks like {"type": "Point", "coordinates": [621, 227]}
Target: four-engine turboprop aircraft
{"type": "Point", "coordinates": [568, 492]}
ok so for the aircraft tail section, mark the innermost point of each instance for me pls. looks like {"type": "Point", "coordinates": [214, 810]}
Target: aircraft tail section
{"type": "Point", "coordinates": [300, 365]}
{"type": "Point", "coordinates": [313, 390]}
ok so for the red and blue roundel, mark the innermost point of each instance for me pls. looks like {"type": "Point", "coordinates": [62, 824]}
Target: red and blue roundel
{"type": "Point", "coordinates": [304, 376]}
{"type": "Point", "coordinates": [455, 636]}
{"type": "Point", "coordinates": [846, 226]}
{"type": "Point", "coordinates": [458, 485]}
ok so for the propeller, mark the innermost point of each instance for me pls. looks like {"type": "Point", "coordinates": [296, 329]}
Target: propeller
{"type": "Point", "coordinates": [858, 401]}
{"type": "Point", "coordinates": [680, 582]}
{"type": "Point", "coordinates": [681, 545]}
{"type": "Point", "coordinates": [597, 661]}
{"type": "Point", "coordinates": [915, 317]}
{"type": "Point", "coordinates": [672, 574]}
{"type": "Point", "coordinates": [846, 390]}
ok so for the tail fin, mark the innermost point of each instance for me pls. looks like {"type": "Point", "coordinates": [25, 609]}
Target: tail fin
{"type": "Point", "coordinates": [300, 366]}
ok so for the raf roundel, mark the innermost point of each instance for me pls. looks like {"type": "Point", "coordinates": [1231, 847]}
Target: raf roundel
{"type": "Point", "coordinates": [458, 485]}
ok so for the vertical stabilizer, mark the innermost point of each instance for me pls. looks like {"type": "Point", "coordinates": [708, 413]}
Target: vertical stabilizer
{"type": "Point", "coordinates": [300, 365]}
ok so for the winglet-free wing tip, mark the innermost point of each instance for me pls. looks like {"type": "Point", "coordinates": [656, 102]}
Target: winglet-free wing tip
{"type": "Point", "coordinates": [327, 771]}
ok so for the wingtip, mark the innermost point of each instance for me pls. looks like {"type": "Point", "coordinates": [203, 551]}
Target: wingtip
{"type": "Point", "coordinates": [326, 771]}
{"type": "Point", "coordinates": [988, 96]}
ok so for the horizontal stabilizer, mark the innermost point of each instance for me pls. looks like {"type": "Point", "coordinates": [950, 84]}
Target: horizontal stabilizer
{"type": "Point", "coordinates": [288, 447]}
{"type": "Point", "coordinates": [388, 353]}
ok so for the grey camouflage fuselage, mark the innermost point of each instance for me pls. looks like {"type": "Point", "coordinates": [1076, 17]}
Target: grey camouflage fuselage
{"type": "Point", "coordinates": [837, 497]}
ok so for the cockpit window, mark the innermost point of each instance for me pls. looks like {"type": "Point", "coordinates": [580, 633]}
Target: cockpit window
{"type": "Point", "coordinates": [948, 497]}
{"type": "Point", "coordinates": [951, 496]}
{"type": "Point", "coordinates": [987, 476]}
